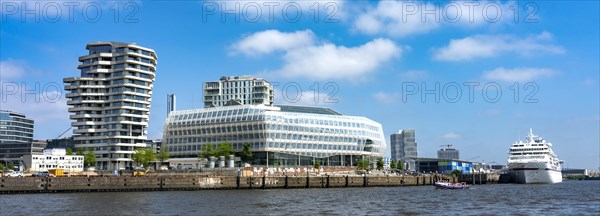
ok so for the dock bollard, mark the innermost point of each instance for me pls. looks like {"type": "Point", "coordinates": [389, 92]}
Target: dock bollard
{"type": "Point", "coordinates": [346, 185]}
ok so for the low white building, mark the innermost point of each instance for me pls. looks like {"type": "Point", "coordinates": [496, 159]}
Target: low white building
{"type": "Point", "coordinates": [53, 159]}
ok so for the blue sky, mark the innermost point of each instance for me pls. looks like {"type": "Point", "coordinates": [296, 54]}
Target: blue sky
{"type": "Point", "coordinates": [377, 57]}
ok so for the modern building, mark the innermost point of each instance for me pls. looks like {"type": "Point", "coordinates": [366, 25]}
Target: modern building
{"type": "Point", "coordinates": [62, 143]}
{"type": "Point", "coordinates": [403, 147]}
{"type": "Point", "coordinates": [54, 159]}
{"type": "Point", "coordinates": [278, 135]}
{"type": "Point", "coordinates": [155, 145]}
{"type": "Point", "coordinates": [239, 90]}
{"type": "Point", "coordinates": [15, 127]}
{"type": "Point", "coordinates": [16, 138]}
{"type": "Point", "coordinates": [443, 166]}
{"type": "Point", "coordinates": [448, 152]}
{"type": "Point", "coordinates": [14, 152]}
{"type": "Point", "coordinates": [171, 103]}
{"type": "Point", "coordinates": [110, 101]}
{"type": "Point", "coordinates": [386, 162]}
{"type": "Point", "coordinates": [580, 172]}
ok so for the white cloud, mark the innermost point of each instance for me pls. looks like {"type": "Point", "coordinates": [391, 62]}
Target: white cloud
{"type": "Point", "coordinates": [518, 74]}
{"type": "Point", "coordinates": [48, 109]}
{"type": "Point", "coordinates": [451, 135]}
{"type": "Point", "coordinates": [479, 46]}
{"type": "Point", "coordinates": [388, 18]}
{"type": "Point", "coordinates": [304, 57]}
{"type": "Point", "coordinates": [402, 18]}
{"type": "Point", "coordinates": [329, 61]}
{"type": "Point", "coordinates": [42, 106]}
{"type": "Point", "coordinates": [11, 69]}
{"type": "Point", "coordinates": [268, 41]}
{"type": "Point", "coordinates": [386, 98]}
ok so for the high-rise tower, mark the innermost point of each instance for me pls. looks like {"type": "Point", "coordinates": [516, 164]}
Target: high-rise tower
{"type": "Point", "coordinates": [110, 101]}
{"type": "Point", "coordinates": [404, 147]}
{"type": "Point", "coordinates": [171, 103]}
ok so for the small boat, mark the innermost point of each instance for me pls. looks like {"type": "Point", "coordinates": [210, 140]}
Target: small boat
{"type": "Point", "coordinates": [450, 185]}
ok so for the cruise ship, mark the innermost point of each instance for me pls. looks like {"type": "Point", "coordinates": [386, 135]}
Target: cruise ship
{"type": "Point", "coordinates": [533, 161]}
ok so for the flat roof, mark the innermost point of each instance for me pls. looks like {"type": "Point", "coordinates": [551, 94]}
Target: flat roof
{"type": "Point", "coordinates": [306, 109]}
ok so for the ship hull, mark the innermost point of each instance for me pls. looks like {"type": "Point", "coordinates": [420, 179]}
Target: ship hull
{"type": "Point", "coordinates": [535, 173]}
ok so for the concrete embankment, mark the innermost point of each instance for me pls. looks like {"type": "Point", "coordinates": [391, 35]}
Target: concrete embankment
{"type": "Point", "coordinates": [481, 178]}
{"type": "Point", "coordinates": [165, 183]}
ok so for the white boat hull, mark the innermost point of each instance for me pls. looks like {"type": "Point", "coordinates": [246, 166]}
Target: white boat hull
{"type": "Point", "coordinates": [535, 173]}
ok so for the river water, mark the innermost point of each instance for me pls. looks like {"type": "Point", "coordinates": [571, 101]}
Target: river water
{"type": "Point", "coordinates": [567, 198]}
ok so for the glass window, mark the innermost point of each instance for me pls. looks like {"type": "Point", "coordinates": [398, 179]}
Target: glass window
{"type": "Point", "coordinates": [100, 49]}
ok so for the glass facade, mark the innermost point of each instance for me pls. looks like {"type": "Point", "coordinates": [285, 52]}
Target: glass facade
{"type": "Point", "coordinates": [15, 127]}
{"type": "Point", "coordinates": [404, 147]}
{"type": "Point", "coordinates": [281, 136]}
{"type": "Point", "coordinates": [431, 165]}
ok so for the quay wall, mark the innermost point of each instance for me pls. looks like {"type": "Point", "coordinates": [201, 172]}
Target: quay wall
{"type": "Point", "coordinates": [483, 178]}
{"type": "Point", "coordinates": [169, 182]}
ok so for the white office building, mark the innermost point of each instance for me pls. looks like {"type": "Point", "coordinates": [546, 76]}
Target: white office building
{"type": "Point", "coordinates": [240, 90]}
{"type": "Point", "coordinates": [278, 135]}
{"type": "Point", "coordinates": [53, 159]}
{"type": "Point", "coordinates": [110, 101]}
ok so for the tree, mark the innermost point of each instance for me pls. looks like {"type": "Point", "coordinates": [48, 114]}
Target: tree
{"type": "Point", "coordinates": [150, 156]}
{"type": "Point", "coordinates": [456, 173]}
{"type": "Point", "coordinates": [393, 164]}
{"type": "Point", "coordinates": [144, 156]}
{"type": "Point", "coordinates": [208, 150]}
{"type": "Point", "coordinates": [163, 154]}
{"type": "Point", "coordinates": [379, 164]}
{"type": "Point", "coordinates": [137, 156]}
{"type": "Point", "coordinates": [317, 165]}
{"type": "Point", "coordinates": [362, 164]}
{"type": "Point", "coordinates": [224, 149]}
{"type": "Point", "coordinates": [89, 158]}
{"type": "Point", "coordinates": [1, 166]}
{"type": "Point", "coordinates": [400, 165]}
{"type": "Point", "coordinates": [80, 151]}
{"type": "Point", "coordinates": [69, 151]}
{"type": "Point", "coordinates": [246, 154]}
{"type": "Point", "coordinates": [11, 166]}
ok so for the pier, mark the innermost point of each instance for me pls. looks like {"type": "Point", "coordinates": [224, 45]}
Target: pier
{"type": "Point", "coordinates": [169, 183]}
